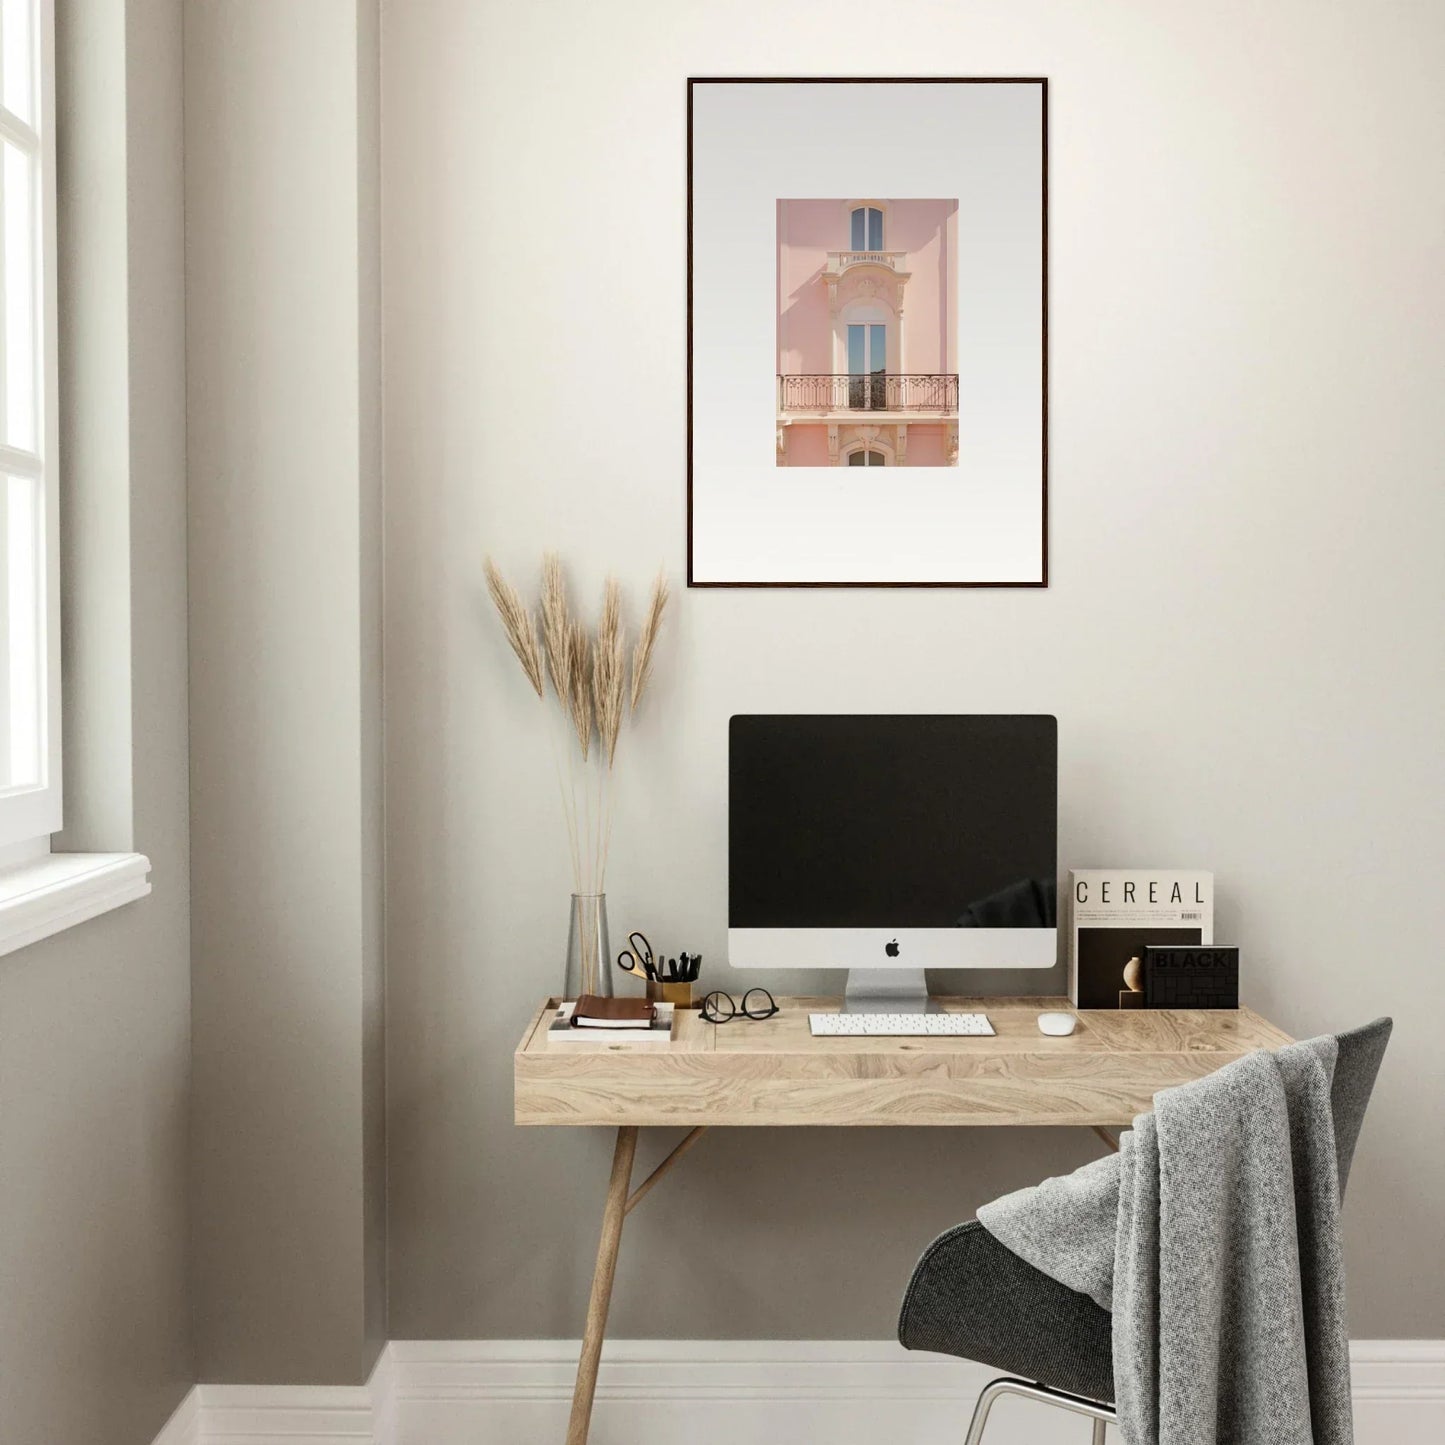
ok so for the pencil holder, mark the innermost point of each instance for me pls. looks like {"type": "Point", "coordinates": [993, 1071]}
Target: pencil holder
{"type": "Point", "coordinates": [677, 994]}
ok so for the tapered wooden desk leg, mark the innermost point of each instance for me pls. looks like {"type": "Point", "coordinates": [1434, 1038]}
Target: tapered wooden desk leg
{"type": "Point", "coordinates": [613, 1213]}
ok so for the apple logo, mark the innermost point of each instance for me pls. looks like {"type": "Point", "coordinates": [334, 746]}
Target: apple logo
{"type": "Point", "coordinates": [891, 948]}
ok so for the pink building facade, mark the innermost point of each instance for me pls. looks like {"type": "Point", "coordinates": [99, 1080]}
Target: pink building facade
{"type": "Point", "coordinates": [867, 333]}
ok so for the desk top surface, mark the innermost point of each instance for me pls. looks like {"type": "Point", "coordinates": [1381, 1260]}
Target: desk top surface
{"type": "Point", "coordinates": [774, 1072]}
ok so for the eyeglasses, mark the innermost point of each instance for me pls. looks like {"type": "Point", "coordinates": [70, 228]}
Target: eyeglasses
{"type": "Point", "coordinates": [720, 1008]}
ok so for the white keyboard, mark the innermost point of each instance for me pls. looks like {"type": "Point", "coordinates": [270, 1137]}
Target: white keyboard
{"type": "Point", "coordinates": [902, 1026]}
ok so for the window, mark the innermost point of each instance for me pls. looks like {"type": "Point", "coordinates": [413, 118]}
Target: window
{"type": "Point", "coordinates": [867, 363]}
{"type": "Point", "coordinates": [41, 892]}
{"type": "Point", "coordinates": [867, 229]}
{"type": "Point", "coordinates": [866, 458]}
{"type": "Point", "coordinates": [29, 592]}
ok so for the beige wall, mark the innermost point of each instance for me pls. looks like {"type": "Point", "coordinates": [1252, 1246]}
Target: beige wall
{"type": "Point", "coordinates": [1241, 640]}
{"type": "Point", "coordinates": [285, 655]}
{"type": "Point", "coordinates": [369, 681]}
{"type": "Point", "coordinates": [94, 1023]}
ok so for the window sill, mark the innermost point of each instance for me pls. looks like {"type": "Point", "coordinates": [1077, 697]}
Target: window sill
{"type": "Point", "coordinates": [58, 891]}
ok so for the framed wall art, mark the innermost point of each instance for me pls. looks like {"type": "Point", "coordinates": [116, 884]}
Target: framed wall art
{"type": "Point", "coordinates": [867, 333]}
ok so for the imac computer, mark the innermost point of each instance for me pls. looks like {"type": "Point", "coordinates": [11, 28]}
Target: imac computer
{"type": "Point", "coordinates": [887, 845]}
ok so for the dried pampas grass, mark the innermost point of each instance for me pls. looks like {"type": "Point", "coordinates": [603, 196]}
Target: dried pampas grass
{"type": "Point", "coordinates": [647, 639]}
{"type": "Point", "coordinates": [579, 685]}
{"type": "Point", "coordinates": [589, 677]}
{"type": "Point", "coordinates": [609, 670]}
{"type": "Point", "coordinates": [555, 634]}
{"type": "Point", "coordinates": [517, 623]}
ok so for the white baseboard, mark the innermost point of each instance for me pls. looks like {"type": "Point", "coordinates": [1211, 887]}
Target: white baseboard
{"type": "Point", "coordinates": [316, 1414]}
{"type": "Point", "coordinates": [713, 1392]}
{"type": "Point", "coordinates": [184, 1427]}
{"type": "Point", "coordinates": [1399, 1391]}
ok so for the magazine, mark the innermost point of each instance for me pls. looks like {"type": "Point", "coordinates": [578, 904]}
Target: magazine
{"type": "Point", "coordinates": [1115, 912]}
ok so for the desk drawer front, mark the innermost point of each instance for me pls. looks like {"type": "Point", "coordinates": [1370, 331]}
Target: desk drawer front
{"type": "Point", "coordinates": [906, 1087]}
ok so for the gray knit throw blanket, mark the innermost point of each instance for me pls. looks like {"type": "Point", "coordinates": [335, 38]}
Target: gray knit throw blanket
{"type": "Point", "coordinates": [1214, 1237]}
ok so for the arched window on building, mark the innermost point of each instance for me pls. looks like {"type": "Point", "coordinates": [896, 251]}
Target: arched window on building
{"type": "Point", "coordinates": [865, 457]}
{"type": "Point", "coordinates": [867, 229]}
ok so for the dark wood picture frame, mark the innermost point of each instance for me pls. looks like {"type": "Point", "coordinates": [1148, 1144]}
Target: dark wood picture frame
{"type": "Point", "coordinates": [1042, 82]}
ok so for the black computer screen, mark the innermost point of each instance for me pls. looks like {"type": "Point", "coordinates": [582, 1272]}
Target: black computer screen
{"type": "Point", "coordinates": [892, 822]}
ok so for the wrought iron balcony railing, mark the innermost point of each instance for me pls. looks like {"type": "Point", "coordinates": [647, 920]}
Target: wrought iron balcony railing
{"type": "Point", "coordinates": [873, 391]}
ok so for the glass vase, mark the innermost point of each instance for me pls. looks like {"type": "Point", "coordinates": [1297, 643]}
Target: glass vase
{"type": "Point", "coordinates": [589, 957]}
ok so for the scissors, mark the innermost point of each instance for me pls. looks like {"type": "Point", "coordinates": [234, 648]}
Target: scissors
{"type": "Point", "coordinates": [637, 957]}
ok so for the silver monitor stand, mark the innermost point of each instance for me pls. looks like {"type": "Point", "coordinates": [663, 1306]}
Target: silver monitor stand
{"type": "Point", "coordinates": [887, 991]}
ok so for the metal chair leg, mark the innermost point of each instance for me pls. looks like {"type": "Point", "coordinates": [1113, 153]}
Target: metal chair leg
{"type": "Point", "coordinates": [1099, 1413]}
{"type": "Point", "coordinates": [991, 1392]}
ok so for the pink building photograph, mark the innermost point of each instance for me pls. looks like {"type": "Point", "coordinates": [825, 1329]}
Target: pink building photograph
{"type": "Point", "coordinates": [867, 333]}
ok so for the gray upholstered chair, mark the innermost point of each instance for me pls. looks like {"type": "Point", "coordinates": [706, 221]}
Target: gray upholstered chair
{"type": "Point", "coordinates": [972, 1297]}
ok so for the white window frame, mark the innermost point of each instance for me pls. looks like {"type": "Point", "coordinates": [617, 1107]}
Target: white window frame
{"type": "Point", "coordinates": [43, 892]}
{"type": "Point", "coordinates": [30, 814]}
{"type": "Point", "coordinates": [868, 211]}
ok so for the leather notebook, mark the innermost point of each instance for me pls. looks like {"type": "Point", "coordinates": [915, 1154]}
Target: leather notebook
{"type": "Point", "coordinates": [593, 1012]}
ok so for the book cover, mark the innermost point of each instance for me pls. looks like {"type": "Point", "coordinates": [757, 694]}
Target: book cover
{"type": "Point", "coordinates": [561, 1031]}
{"type": "Point", "coordinates": [1115, 912]}
{"type": "Point", "coordinates": [594, 1012]}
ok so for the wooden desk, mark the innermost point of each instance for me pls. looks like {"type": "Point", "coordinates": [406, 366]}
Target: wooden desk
{"type": "Point", "coordinates": [772, 1072]}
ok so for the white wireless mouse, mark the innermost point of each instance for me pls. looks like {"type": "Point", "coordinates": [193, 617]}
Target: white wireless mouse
{"type": "Point", "coordinates": [1057, 1025]}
